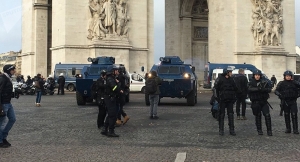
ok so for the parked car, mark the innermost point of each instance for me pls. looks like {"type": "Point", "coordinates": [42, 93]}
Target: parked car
{"type": "Point", "coordinates": [137, 82]}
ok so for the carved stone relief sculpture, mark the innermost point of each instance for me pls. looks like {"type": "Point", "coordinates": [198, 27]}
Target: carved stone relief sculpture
{"type": "Point", "coordinates": [108, 19]}
{"type": "Point", "coordinates": [267, 24]}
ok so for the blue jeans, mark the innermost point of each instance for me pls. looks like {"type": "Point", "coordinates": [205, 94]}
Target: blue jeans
{"type": "Point", "coordinates": [154, 99]}
{"type": "Point", "coordinates": [38, 97]}
{"type": "Point", "coordinates": [10, 113]}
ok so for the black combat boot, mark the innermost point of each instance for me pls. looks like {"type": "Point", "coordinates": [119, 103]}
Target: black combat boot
{"type": "Point", "coordinates": [111, 133]}
{"type": "Point", "coordinates": [231, 124]}
{"type": "Point", "coordinates": [268, 124]}
{"type": "Point", "coordinates": [287, 119]}
{"type": "Point", "coordinates": [221, 124]}
{"type": "Point", "coordinates": [104, 131]}
{"type": "Point", "coordinates": [295, 123]}
{"type": "Point", "coordinates": [258, 124]}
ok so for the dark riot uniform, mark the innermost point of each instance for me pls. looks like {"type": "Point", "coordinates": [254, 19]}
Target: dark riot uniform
{"type": "Point", "coordinates": [111, 90]}
{"type": "Point", "coordinates": [258, 92]}
{"type": "Point", "coordinates": [225, 94]}
{"type": "Point", "coordinates": [287, 91]}
{"type": "Point", "coordinates": [100, 88]}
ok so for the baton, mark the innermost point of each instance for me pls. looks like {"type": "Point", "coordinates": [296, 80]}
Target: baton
{"type": "Point", "coordinates": [269, 105]}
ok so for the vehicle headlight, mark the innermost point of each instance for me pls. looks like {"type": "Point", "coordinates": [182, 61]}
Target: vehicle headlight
{"type": "Point", "coordinates": [186, 75]}
{"type": "Point", "coordinates": [79, 75]}
{"type": "Point", "coordinates": [149, 75]}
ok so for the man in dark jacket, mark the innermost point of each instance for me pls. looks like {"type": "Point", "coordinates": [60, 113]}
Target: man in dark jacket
{"type": "Point", "coordinates": [39, 88]}
{"type": "Point", "coordinates": [225, 93]}
{"type": "Point", "coordinates": [29, 81]}
{"type": "Point", "coordinates": [61, 84]}
{"type": "Point", "coordinates": [121, 97]}
{"type": "Point", "coordinates": [274, 80]}
{"type": "Point", "coordinates": [6, 109]}
{"type": "Point", "coordinates": [241, 82]}
{"type": "Point", "coordinates": [258, 92]}
{"type": "Point", "coordinates": [153, 97]}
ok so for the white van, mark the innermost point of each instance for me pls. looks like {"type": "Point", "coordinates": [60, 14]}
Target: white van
{"type": "Point", "coordinates": [215, 75]}
{"type": "Point", "coordinates": [217, 72]}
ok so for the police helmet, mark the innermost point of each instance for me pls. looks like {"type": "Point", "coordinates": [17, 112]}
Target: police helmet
{"type": "Point", "coordinates": [288, 72]}
{"type": "Point", "coordinates": [227, 70]}
{"type": "Point", "coordinates": [28, 76]}
{"type": "Point", "coordinates": [103, 72]}
{"type": "Point", "coordinates": [7, 68]}
{"type": "Point", "coordinates": [256, 72]}
{"type": "Point", "coordinates": [110, 68]}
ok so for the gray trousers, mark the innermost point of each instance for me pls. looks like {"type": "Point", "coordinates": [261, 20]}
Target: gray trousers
{"type": "Point", "coordinates": [154, 99]}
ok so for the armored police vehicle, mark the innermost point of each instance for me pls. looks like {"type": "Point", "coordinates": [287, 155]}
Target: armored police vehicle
{"type": "Point", "coordinates": [89, 75]}
{"type": "Point", "coordinates": [178, 79]}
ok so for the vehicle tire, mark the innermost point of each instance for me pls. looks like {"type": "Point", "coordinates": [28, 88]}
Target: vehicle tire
{"type": "Point", "coordinates": [80, 99]}
{"type": "Point", "coordinates": [127, 97]}
{"type": "Point", "coordinates": [147, 101]}
{"type": "Point", "coordinates": [192, 98]}
{"type": "Point", "coordinates": [71, 87]}
{"type": "Point", "coordinates": [196, 99]}
{"type": "Point", "coordinates": [143, 90]}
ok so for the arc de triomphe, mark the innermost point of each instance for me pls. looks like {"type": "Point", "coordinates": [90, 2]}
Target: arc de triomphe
{"type": "Point", "coordinates": [259, 32]}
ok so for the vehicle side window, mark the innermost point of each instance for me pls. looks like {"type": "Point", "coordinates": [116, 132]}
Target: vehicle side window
{"type": "Point", "coordinates": [58, 71]}
{"type": "Point", "coordinates": [70, 73]}
{"type": "Point", "coordinates": [214, 76]}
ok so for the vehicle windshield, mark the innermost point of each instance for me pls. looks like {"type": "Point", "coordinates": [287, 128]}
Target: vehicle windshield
{"type": "Point", "coordinates": [169, 70]}
{"type": "Point", "coordinates": [95, 70]}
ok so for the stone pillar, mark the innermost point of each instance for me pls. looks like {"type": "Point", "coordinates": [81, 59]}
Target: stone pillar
{"type": "Point", "coordinates": [41, 36]}
{"type": "Point", "coordinates": [186, 40]}
{"type": "Point", "coordinates": [172, 10]}
{"type": "Point", "coordinates": [150, 39]}
{"type": "Point", "coordinates": [221, 31]}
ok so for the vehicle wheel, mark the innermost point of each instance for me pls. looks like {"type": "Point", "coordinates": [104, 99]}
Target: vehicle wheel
{"type": "Point", "coordinates": [196, 97]}
{"type": "Point", "coordinates": [80, 99]}
{"type": "Point", "coordinates": [147, 99]}
{"type": "Point", "coordinates": [143, 90]}
{"type": "Point", "coordinates": [191, 98]}
{"type": "Point", "coordinates": [127, 98]}
{"type": "Point", "coordinates": [71, 87]}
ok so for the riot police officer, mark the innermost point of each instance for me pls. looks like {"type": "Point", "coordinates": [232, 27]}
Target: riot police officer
{"type": "Point", "coordinates": [100, 89]}
{"type": "Point", "coordinates": [112, 88]}
{"type": "Point", "coordinates": [258, 92]}
{"type": "Point", "coordinates": [287, 91]}
{"type": "Point", "coordinates": [225, 93]}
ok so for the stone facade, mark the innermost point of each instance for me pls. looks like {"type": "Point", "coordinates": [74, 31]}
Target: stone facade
{"type": "Point", "coordinates": [11, 58]}
{"type": "Point", "coordinates": [248, 31]}
{"type": "Point", "coordinates": [72, 31]}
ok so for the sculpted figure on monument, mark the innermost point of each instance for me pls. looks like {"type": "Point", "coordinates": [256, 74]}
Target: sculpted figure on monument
{"type": "Point", "coordinates": [109, 8]}
{"type": "Point", "coordinates": [96, 29]}
{"type": "Point", "coordinates": [108, 19]}
{"type": "Point", "coordinates": [122, 18]}
{"type": "Point", "coordinates": [267, 24]}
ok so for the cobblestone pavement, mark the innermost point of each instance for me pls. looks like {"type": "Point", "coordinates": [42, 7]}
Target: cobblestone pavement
{"type": "Point", "coordinates": [62, 131]}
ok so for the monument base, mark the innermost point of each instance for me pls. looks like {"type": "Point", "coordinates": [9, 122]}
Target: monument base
{"type": "Point", "coordinates": [116, 47]}
{"type": "Point", "coordinates": [272, 60]}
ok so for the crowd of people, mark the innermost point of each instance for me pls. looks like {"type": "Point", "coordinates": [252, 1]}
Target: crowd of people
{"type": "Point", "coordinates": [112, 87]}
{"type": "Point", "coordinates": [229, 90]}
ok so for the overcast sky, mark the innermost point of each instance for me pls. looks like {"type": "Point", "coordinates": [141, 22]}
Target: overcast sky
{"type": "Point", "coordinates": [10, 26]}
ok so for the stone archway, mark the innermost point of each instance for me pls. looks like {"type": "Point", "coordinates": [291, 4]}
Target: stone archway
{"type": "Point", "coordinates": [187, 32]}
